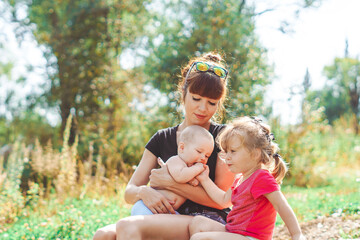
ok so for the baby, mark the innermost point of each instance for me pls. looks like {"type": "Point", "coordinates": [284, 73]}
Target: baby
{"type": "Point", "coordinates": [195, 146]}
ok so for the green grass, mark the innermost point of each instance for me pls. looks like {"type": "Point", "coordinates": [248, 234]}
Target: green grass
{"type": "Point", "coordinates": [339, 198]}
{"type": "Point", "coordinates": [75, 219]}
{"type": "Point", "coordinates": [79, 219]}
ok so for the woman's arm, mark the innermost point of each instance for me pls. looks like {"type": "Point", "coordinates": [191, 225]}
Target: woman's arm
{"type": "Point", "coordinates": [160, 178]}
{"type": "Point", "coordinates": [286, 213]}
{"type": "Point", "coordinates": [136, 189]}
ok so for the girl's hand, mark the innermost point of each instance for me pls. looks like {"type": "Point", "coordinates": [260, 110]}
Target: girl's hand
{"type": "Point", "coordinates": [155, 201]}
{"type": "Point", "coordinates": [204, 174]}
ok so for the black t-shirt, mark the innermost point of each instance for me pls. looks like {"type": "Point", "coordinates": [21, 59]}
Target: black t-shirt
{"type": "Point", "coordinates": [163, 144]}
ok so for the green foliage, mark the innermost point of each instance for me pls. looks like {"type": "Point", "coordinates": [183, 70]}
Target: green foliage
{"type": "Point", "coordinates": [334, 102]}
{"type": "Point", "coordinates": [315, 150]}
{"type": "Point", "coordinates": [81, 39]}
{"type": "Point", "coordinates": [27, 126]}
{"type": "Point", "coordinates": [345, 76]}
{"type": "Point", "coordinates": [5, 68]}
{"type": "Point", "coordinates": [11, 198]}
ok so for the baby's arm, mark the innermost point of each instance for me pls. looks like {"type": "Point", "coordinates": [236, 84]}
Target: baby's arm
{"type": "Point", "coordinates": [286, 213]}
{"type": "Point", "coordinates": [215, 193]}
{"type": "Point", "coordinates": [181, 172]}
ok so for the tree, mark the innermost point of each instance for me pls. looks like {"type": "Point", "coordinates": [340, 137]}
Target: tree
{"type": "Point", "coordinates": [333, 99]}
{"type": "Point", "coordinates": [80, 39]}
{"type": "Point", "coordinates": [344, 74]}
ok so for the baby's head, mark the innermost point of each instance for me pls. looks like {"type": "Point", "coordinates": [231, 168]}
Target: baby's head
{"type": "Point", "coordinates": [195, 145]}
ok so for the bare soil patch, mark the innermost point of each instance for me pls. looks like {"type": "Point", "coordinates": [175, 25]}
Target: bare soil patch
{"type": "Point", "coordinates": [325, 228]}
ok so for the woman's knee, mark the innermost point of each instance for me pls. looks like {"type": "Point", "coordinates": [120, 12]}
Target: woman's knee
{"type": "Point", "coordinates": [196, 225]}
{"type": "Point", "coordinates": [197, 236]}
{"type": "Point", "coordinates": [127, 229]}
{"type": "Point", "coordinates": [105, 233]}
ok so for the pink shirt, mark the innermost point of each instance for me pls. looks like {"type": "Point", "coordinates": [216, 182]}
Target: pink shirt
{"type": "Point", "coordinates": [252, 214]}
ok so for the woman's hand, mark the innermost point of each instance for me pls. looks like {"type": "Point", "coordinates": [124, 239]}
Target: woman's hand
{"type": "Point", "coordinates": [161, 178]}
{"type": "Point", "coordinates": [156, 202]}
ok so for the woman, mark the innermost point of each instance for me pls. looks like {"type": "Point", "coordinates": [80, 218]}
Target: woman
{"type": "Point", "coordinates": [203, 91]}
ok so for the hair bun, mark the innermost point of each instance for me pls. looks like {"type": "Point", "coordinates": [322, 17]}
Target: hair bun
{"type": "Point", "coordinates": [214, 57]}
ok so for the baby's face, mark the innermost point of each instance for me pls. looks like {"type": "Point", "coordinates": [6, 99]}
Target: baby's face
{"type": "Point", "coordinates": [197, 151]}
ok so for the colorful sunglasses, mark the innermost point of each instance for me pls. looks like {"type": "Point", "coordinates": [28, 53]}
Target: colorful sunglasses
{"type": "Point", "coordinates": [205, 67]}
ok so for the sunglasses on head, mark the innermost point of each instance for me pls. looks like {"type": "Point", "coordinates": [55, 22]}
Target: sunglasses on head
{"type": "Point", "coordinates": [205, 67]}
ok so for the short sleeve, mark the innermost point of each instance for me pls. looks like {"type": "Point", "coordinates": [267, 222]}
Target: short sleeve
{"type": "Point", "coordinates": [154, 145]}
{"type": "Point", "coordinates": [265, 183]}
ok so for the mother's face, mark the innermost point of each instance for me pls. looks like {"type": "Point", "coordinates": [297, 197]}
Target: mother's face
{"type": "Point", "coordinates": [198, 109]}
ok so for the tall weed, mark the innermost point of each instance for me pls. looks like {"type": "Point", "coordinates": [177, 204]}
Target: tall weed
{"type": "Point", "coordinates": [316, 150]}
{"type": "Point", "coordinates": [11, 199]}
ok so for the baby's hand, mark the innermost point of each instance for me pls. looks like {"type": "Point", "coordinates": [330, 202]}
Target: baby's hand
{"type": "Point", "coordinates": [194, 182]}
{"type": "Point", "coordinates": [199, 166]}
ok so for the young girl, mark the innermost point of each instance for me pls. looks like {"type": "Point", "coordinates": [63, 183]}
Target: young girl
{"type": "Point", "coordinates": [249, 151]}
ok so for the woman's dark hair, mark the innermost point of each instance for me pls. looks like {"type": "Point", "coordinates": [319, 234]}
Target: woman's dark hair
{"type": "Point", "coordinates": [205, 84]}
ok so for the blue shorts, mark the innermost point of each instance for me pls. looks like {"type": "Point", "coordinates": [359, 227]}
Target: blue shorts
{"type": "Point", "coordinates": [140, 208]}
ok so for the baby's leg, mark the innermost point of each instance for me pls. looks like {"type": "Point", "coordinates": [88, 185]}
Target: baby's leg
{"type": "Point", "coordinates": [177, 199]}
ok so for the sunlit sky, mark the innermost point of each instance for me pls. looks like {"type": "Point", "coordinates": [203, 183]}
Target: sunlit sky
{"type": "Point", "coordinates": [318, 36]}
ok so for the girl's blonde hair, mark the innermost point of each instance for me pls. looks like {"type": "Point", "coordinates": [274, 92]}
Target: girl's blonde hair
{"type": "Point", "coordinates": [254, 134]}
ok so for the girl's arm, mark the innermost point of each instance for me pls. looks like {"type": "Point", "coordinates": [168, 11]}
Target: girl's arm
{"type": "Point", "coordinates": [218, 195]}
{"type": "Point", "coordinates": [286, 213]}
{"type": "Point", "coordinates": [136, 189]}
{"type": "Point", "coordinates": [160, 178]}
{"type": "Point", "coordinates": [224, 178]}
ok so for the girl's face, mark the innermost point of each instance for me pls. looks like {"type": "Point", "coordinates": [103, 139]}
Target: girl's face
{"type": "Point", "coordinates": [239, 159]}
{"type": "Point", "coordinates": [196, 151]}
{"type": "Point", "coordinates": [199, 110]}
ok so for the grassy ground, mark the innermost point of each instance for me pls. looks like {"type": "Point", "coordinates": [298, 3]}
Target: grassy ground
{"type": "Point", "coordinates": [73, 219]}
{"type": "Point", "coordinates": [78, 219]}
{"type": "Point", "coordinates": [340, 198]}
